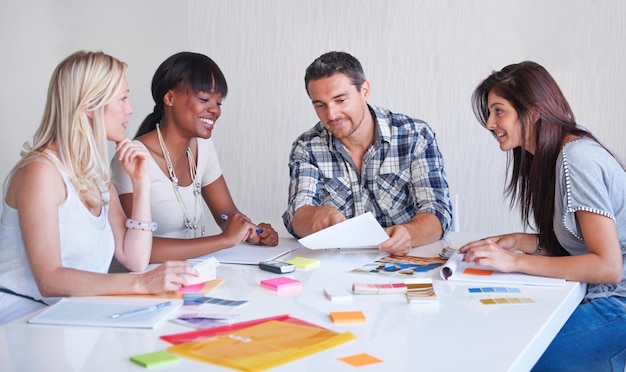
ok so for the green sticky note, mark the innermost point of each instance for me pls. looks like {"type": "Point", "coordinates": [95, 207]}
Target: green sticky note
{"type": "Point", "coordinates": [155, 359]}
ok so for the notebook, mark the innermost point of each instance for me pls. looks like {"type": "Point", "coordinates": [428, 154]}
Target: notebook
{"type": "Point", "coordinates": [98, 312]}
{"type": "Point", "coordinates": [457, 269]}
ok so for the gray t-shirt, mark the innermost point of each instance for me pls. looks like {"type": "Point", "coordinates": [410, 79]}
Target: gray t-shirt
{"type": "Point", "coordinates": [589, 179]}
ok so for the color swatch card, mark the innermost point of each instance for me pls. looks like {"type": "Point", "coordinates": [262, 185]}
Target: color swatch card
{"type": "Point", "coordinates": [204, 320]}
{"type": "Point", "coordinates": [421, 291]}
{"type": "Point", "coordinates": [348, 317]}
{"type": "Point", "coordinates": [377, 288]}
{"type": "Point", "coordinates": [218, 301]}
{"type": "Point", "coordinates": [305, 263]}
{"type": "Point", "coordinates": [155, 359]}
{"type": "Point", "coordinates": [281, 283]}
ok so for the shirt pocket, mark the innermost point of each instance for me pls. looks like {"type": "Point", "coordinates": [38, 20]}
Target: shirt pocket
{"type": "Point", "coordinates": [393, 194]}
{"type": "Point", "coordinates": [337, 193]}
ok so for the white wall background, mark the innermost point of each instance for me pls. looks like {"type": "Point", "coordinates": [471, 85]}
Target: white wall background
{"type": "Point", "coordinates": [422, 58]}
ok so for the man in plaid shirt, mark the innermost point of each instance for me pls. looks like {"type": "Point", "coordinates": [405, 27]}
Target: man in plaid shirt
{"type": "Point", "coordinates": [360, 158]}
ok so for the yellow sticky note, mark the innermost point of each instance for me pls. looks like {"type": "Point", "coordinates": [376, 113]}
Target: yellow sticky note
{"type": "Point", "coordinates": [304, 263]}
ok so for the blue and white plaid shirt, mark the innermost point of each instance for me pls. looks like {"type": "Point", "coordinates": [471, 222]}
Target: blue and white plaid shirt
{"type": "Point", "coordinates": [402, 173]}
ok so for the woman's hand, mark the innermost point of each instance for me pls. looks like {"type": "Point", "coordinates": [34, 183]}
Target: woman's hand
{"type": "Point", "coordinates": [167, 277]}
{"type": "Point", "coordinates": [489, 252]}
{"type": "Point", "coordinates": [267, 237]}
{"type": "Point", "coordinates": [134, 159]}
{"type": "Point", "coordinates": [237, 229]}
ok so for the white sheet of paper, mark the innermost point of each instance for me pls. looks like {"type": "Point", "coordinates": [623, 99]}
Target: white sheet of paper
{"type": "Point", "coordinates": [358, 232]}
{"type": "Point", "coordinates": [248, 254]}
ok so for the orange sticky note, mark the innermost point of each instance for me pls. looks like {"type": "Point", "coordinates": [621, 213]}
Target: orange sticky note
{"type": "Point", "coordinates": [347, 317]}
{"type": "Point", "coordinates": [360, 360]}
{"type": "Point", "coordinates": [482, 272]}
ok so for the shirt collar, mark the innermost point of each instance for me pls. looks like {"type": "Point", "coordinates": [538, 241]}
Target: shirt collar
{"type": "Point", "coordinates": [382, 123]}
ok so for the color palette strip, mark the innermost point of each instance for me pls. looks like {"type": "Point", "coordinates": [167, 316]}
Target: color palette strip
{"type": "Point", "coordinates": [506, 300]}
{"type": "Point", "coordinates": [494, 290]}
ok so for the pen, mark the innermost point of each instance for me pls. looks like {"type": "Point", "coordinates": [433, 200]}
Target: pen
{"type": "Point", "coordinates": [142, 310]}
{"type": "Point", "coordinates": [225, 217]}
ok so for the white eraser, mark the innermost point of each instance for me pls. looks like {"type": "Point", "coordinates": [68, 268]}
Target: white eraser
{"type": "Point", "coordinates": [338, 295]}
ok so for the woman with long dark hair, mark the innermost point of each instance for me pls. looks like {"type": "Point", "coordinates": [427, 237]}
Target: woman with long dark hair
{"type": "Point", "coordinates": [574, 192]}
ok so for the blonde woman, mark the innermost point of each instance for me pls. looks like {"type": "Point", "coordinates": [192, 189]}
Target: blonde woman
{"type": "Point", "coordinates": [62, 221]}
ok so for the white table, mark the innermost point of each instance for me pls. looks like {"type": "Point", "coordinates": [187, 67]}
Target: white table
{"type": "Point", "coordinates": [458, 334]}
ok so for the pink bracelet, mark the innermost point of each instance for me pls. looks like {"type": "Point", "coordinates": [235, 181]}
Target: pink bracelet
{"type": "Point", "coordinates": [140, 225]}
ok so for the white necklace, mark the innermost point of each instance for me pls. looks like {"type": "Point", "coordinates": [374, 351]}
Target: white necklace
{"type": "Point", "coordinates": [188, 223]}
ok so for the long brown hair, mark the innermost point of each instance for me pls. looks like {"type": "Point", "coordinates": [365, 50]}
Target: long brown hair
{"type": "Point", "coordinates": [542, 108]}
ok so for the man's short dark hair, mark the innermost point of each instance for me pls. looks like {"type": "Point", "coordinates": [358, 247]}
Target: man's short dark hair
{"type": "Point", "coordinates": [332, 63]}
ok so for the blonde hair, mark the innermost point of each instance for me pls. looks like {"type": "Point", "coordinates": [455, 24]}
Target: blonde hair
{"type": "Point", "coordinates": [83, 82]}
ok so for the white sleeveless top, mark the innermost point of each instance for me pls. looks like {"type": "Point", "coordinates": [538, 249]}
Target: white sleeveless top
{"type": "Point", "coordinates": [166, 210]}
{"type": "Point", "coordinates": [87, 244]}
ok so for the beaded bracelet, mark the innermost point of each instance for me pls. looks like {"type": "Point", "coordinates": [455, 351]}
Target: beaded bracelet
{"type": "Point", "coordinates": [140, 225]}
{"type": "Point", "coordinates": [538, 249]}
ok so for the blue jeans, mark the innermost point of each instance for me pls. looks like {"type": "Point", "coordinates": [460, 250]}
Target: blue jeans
{"type": "Point", "coordinates": [592, 339]}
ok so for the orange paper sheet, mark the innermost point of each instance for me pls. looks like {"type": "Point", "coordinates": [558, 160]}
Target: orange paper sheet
{"type": "Point", "coordinates": [262, 346]}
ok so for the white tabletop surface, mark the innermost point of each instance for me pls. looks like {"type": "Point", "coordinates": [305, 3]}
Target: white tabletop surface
{"type": "Point", "coordinates": [457, 334]}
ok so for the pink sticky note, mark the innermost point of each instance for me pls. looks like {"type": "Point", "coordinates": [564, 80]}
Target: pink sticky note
{"type": "Point", "coordinates": [192, 288]}
{"type": "Point", "coordinates": [281, 283]}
